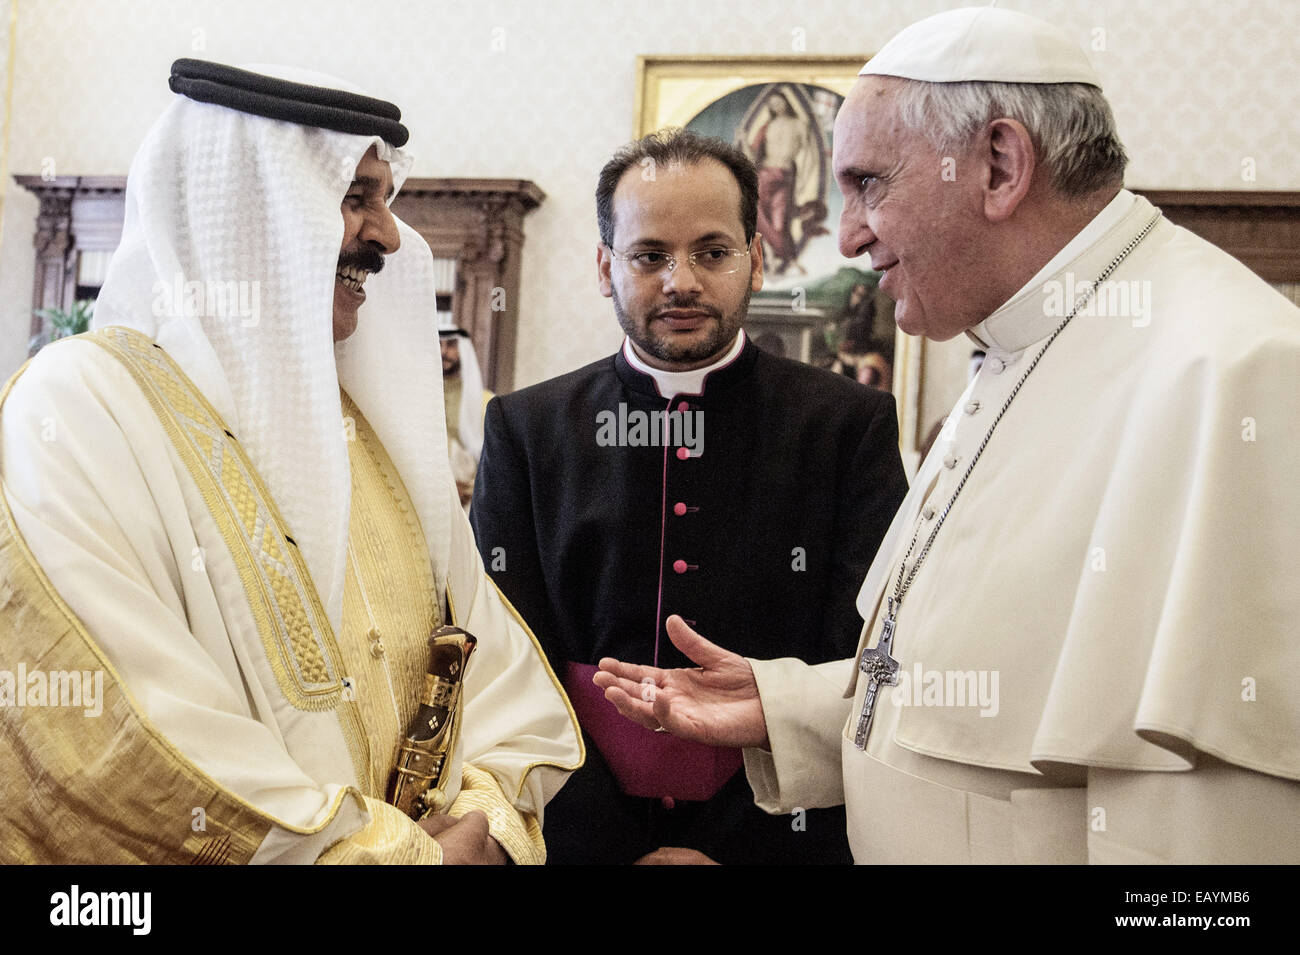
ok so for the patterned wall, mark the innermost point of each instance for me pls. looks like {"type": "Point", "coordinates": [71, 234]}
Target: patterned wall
{"type": "Point", "coordinates": [544, 91]}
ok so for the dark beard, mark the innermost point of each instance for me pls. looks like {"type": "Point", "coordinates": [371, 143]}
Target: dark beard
{"type": "Point", "coordinates": [724, 333]}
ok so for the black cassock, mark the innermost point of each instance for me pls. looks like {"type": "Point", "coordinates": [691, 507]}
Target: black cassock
{"type": "Point", "coordinates": [759, 534]}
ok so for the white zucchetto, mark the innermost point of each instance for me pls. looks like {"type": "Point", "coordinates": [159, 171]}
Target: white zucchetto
{"type": "Point", "coordinates": [983, 44]}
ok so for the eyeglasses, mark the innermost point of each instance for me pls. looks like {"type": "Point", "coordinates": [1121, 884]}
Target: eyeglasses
{"type": "Point", "coordinates": [716, 261]}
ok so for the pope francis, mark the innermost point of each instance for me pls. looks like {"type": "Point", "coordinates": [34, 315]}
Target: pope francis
{"type": "Point", "coordinates": [1080, 628]}
{"type": "Point", "coordinates": [227, 515]}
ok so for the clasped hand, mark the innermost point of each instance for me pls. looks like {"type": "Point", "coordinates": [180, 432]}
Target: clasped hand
{"type": "Point", "coordinates": [464, 841]}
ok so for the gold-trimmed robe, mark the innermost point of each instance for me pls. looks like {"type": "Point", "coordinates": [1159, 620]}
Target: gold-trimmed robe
{"type": "Point", "coordinates": [137, 542]}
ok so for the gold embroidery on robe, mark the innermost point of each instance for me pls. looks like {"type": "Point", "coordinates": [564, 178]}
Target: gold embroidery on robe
{"type": "Point", "coordinates": [389, 609]}
{"type": "Point", "coordinates": [296, 634]}
{"type": "Point", "coordinates": [283, 598]}
{"type": "Point", "coordinates": [109, 789]}
{"type": "Point", "coordinates": [518, 833]}
{"type": "Point", "coordinates": [109, 811]}
{"type": "Point", "coordinates": [389, 837]}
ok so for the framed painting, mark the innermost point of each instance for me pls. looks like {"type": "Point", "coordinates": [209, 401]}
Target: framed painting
{"type": "Point", "coordinates": [816, 306]}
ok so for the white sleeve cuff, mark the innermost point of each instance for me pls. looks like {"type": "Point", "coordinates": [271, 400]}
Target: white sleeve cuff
{"type": "Point", "coordinates": [805, 709]}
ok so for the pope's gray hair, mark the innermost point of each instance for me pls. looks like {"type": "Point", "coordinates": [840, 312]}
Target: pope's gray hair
{"type": "Point", "coordinates": [1071, 125]}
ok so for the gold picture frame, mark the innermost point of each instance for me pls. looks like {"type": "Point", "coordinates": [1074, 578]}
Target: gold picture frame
{"type": "Point", "coordinates": [670, 90]}
{"type": "Point", "coordinates": [673, 90]}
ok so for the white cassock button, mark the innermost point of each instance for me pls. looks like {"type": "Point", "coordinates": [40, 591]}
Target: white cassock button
{"type": "Point", "coordinates": [950, 461]}
{"type": "Point", "coordinates": [928, 512]}
{"type": "Point", "coordinates": [972, 407]}
{"type": "Point", "coordinates": [995, 365]}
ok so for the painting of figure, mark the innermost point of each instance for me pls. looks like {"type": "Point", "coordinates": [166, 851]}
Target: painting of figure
{"type": "Point", "coordinates": [786, 129]}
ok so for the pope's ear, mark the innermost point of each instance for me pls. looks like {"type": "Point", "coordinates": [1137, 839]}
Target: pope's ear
{"type": "Point", "coordinates": [1011, 168]}
{"type": "Point", "coordinates": [603, 261]}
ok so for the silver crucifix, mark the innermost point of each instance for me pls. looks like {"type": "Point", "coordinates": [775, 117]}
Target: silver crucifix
{"type": "Point", "coordinates": [880, 669]}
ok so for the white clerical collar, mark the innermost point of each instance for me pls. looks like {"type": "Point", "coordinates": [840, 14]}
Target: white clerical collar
{"type": "Point", "coordinates": [672, 383]}
{"type": "Point", "coordinates": [1006, 328]}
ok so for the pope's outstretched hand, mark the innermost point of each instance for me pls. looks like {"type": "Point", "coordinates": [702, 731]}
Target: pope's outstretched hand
{"type": "Point", "coordinates": [716, 703]}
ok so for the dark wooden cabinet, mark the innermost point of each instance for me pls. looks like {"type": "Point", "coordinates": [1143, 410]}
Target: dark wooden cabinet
{"type": "Point", "coordinates": [79, 217]}
{"type": "Point", "coordinates": [480, 224]}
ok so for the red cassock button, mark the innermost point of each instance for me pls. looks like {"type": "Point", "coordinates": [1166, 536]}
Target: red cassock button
{"type": "Point", "coordinates": [679, 508]}
{"type": "Point", "coordinates": [679, 566]}
{"type": "Point", "coordinates": [683, 406]}
{"type": "Point", "coordinates": [683, 454]}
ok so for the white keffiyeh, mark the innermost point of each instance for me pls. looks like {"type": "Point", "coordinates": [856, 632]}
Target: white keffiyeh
{"type": "Point", "coordinates": [217, 196]}
{"type": "Point", "coordinates": [470, 419]}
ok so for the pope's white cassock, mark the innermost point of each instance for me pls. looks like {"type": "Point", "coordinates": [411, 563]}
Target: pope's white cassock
{"type": "Point", "coordinates": [1098, 658]}
{"type": "Point", "coordinates": [249, 535]}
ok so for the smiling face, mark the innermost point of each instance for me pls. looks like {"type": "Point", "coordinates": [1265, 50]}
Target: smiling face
{"type": "Point", "coordinates": [689, 317]}
{"type": "Point", "coordinates": [903, 207]}
{"type": "Point", "coordinates": [369, 233]}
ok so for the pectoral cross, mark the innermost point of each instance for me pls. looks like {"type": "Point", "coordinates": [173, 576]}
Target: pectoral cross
{"type": "Point", "coordinates": [880, 669]}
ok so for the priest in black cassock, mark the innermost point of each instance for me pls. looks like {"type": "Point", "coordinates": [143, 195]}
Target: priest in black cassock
{"type": "Point", "coordinates": [689, 473]}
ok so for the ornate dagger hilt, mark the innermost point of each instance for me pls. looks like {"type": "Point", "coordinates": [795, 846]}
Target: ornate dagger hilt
{"type": "Point", "coordinates": [417, 781]}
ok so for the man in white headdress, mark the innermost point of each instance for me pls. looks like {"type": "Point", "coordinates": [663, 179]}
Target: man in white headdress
{"type": "Point", "coordinates": [228, 522]}
{"type": "Point", "coordinates": [465, 400]}
{"type": "Point", "coordinates": [1080, 629]}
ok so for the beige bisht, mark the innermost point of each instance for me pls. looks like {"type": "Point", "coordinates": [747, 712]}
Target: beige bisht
{"type": "Point", "coordinates": [243, 535]}
{"type": "Point", "coordinates": [1098, 658]}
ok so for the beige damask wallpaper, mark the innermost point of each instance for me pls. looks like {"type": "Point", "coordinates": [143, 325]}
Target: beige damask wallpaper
{"type": "Point", "coordinates": [1206, 92]}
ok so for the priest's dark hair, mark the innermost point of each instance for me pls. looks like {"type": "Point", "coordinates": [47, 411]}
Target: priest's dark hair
{"type": "Point", "coordinates": [664, 148]}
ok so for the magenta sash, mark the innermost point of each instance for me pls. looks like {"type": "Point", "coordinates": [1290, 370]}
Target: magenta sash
{"type": "Point", "coordinates": [644, 762]}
